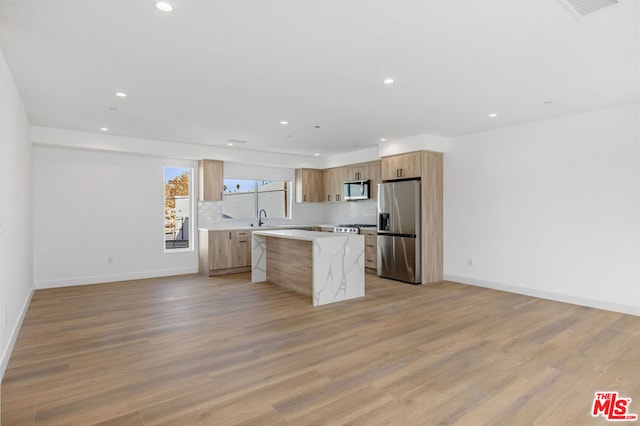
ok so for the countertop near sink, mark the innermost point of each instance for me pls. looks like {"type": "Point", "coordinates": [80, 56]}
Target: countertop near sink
{"type": "Point", "coordinates": [264, 227]}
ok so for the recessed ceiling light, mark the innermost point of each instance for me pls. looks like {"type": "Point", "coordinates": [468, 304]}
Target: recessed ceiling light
{"type": "Point", "coordinates": [316, 154]}
{"type": "Point", "coordinates": [284, 122]}
{"type": "Point", "coordinates": [493, 115]}
{"type": "Point", "coordinates": [164, 6]}
{"type": "Point", "coordinates": [229, 144]}
{"type": "Point", "coordinates": [121, 94]}
{"type": "Point", "coordinates": [388, 81]}
{"type": "Point", "coordinates": [104, 129]}
{"type": "Point", "coordinates": [383, 140]}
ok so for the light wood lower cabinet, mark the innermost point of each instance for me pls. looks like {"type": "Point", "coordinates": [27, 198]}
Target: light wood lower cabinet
{"type": "Point", "coordinates": [370, 250]}
{"type": "Point", "coordinates": [228, 252]}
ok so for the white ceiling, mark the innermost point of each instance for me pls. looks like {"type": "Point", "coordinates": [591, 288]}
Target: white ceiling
{"type": "Point", "coordinates": [214, 70]}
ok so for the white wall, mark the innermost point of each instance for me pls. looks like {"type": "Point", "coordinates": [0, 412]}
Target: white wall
{"type": "Point", "coordinates": [16, 283]}
{"type": "Point", "coordinates": [117, 211]}
{"type": "Point", "coordinates": [550, 209]}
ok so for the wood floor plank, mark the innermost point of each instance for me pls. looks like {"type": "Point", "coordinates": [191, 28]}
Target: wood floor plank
{"type": "Point", "coordinates": [221, 350]}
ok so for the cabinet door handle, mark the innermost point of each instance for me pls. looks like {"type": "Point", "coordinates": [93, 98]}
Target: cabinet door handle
{"type": "Point", "coordinates": [397, 172]}
{"type": "Point", "coordinates": [304, 198]}
{"type": "Point", "coordinates": [329, 197]}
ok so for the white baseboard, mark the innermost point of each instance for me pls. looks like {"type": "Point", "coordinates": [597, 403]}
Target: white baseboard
{"type": "Point", "coordinates": [99, 279]}
{"type": "Point", "coordinates": [14, 336]}
{"type": "Point", "coordinates": [542, 294]}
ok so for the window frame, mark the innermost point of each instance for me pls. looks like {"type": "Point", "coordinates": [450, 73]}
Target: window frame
{"type": "Point", "coordinates": [192, 213]}
{"type": "Point", "coordinates": [256, 192]}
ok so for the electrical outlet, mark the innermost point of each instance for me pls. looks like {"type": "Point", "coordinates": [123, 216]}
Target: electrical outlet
{"type": "Point", "coordinates": [109, 260]}
{"type": "Point", "coordinates": [470, 262]}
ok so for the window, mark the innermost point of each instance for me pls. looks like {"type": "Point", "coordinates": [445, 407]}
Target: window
{"type": "Point", "coordinates": [177, 208]}
{"type": "Point", "coordinates": [244, 198]}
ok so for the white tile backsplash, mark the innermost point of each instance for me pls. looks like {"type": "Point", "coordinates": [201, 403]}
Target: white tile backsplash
{"type": "Point", "coordinates": [210, 214]}
{"type": "Point", "coordinates": [364, 211]}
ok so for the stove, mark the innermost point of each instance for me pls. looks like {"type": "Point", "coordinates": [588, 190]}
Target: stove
{"type": "Point", "coordinates": [352, 228]}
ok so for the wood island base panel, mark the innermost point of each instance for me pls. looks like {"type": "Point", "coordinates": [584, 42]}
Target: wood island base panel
{"type": "Point", "coordinates": [328, 267]}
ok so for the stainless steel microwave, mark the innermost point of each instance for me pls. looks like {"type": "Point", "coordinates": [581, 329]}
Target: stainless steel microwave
{"type": "Point", "coordinates": [356, 190]}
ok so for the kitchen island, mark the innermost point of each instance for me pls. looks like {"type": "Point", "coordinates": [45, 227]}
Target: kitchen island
{"type": "Point", "coordinates": [328, 267]}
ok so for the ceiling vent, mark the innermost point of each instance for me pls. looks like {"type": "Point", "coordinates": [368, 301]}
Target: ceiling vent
{"type": "Point", "coordinates": [580, 8]}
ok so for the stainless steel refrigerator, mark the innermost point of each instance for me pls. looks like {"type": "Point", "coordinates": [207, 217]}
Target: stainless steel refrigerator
{"type": "Point", "coordinates": [399, 254]}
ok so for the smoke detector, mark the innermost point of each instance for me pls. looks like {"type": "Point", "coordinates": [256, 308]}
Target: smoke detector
{"type": "Point", "coordinates": [580, 8]}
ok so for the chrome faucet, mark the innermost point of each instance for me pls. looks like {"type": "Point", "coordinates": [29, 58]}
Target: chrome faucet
{"type": "Point", "coordinates": [260, 222]}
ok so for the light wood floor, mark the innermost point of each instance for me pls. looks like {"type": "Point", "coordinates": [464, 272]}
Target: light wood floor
{"type": "Point", "coordinates": [219, 351]}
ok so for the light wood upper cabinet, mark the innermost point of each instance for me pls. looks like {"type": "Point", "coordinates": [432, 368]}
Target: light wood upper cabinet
{"type": "Point", "coordinates": [402, 166]}
{"type": "Point", "coordinates": [373, 174]}
{"type": "Point", "coordinates": [210, 180]}
{"type": "Point", "coordinates": [356, 172]}
{"type": "Point", "coordinates": [309, 185]}
{"type": "Point", "coordinates": [327, 189]}
{"type": "Point", "coordinates": [365, 171]}
{"type": "Point", "coordinates": [331, 181]}
{"type": "Point", "coordinates": [334, 183]}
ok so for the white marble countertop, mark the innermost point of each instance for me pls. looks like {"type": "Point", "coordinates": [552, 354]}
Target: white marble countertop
{"type": "Point", "coordinates": [297, 234]}
{"type": "Point", "coordinates": [335, 271]}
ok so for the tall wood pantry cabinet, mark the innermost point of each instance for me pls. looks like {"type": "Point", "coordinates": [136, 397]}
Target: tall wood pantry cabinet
{"type": "Point", "coordinates": [210, 187]}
